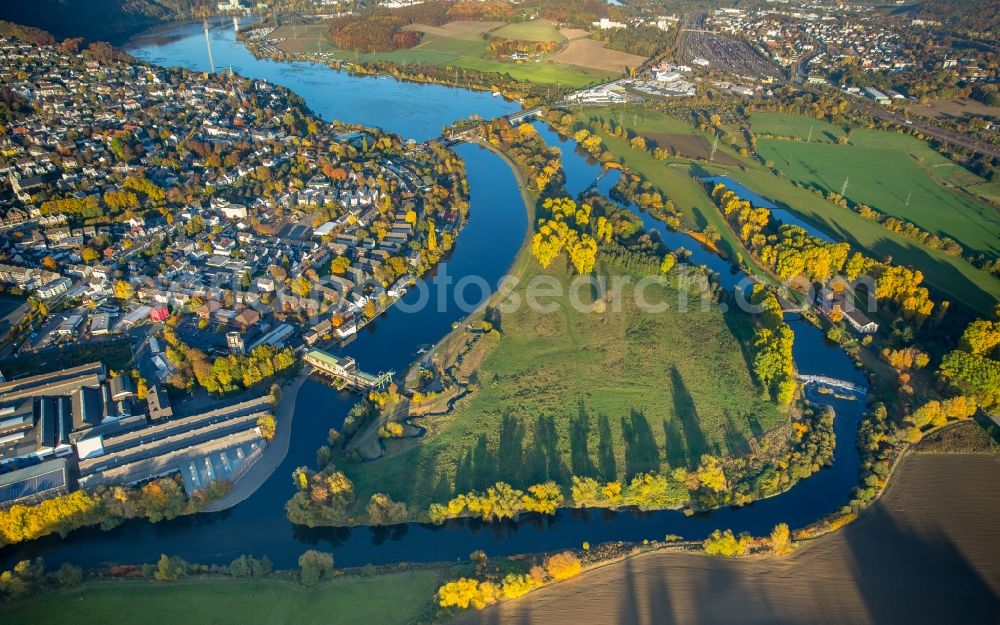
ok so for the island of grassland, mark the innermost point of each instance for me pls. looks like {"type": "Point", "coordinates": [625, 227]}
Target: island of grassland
{"type": "Point", "coordinates": [598, 404]}
{"type": "Point", "coordinates": [481, 361]}
{"type": "Point", "coordinates": [652, 454]}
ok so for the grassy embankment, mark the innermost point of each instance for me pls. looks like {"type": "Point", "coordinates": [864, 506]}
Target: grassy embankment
{"type": "Point", "coordinates": [952, 276]}
{"type": "Point", "coordinates": [675, 176]}
{"type": "Point", "coordinates": [384, 599]}
{"type": "Point", "coordinates": [567, 393]}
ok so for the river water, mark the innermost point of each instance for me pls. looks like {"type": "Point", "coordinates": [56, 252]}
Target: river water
{"type": "Point", "coordinates": [486, 247]}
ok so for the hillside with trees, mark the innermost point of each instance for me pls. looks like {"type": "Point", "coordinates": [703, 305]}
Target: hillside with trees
{"type": "Point", "coordinates": [100, 19]}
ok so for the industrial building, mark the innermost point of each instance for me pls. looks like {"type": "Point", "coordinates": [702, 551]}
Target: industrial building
{"type": "Point", "coordinates": [40, 414]}
{"type": "Point", "coordinates": [80, 428]}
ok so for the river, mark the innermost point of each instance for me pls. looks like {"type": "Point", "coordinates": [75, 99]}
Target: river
{"type": "Point", "coordinates": [486, 247]}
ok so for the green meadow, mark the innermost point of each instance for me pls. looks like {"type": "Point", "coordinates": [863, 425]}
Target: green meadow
{"type": "Point", "coordinates": [897, 175]}
{"type": "Point", "coordinates": [643, 120]}
{"type": "Point", "coordinates": [607, 395]}
{"type": "Point", "coordinates": [795, 126]}
{"type": "Point", "coordinates": [534, 30]}
{"type": "Point", "coordinates": [955, 278]}
{"type": "Point", "coordinates": [468, 51]}
{"type": "Point", "coordinates": [394, 599]}
{"type": "Point", "coordinates": [463, 50]}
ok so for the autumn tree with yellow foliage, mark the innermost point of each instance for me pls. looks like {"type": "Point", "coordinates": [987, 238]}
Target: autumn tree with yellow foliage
{"type": "Point", "coordinates": [563, 566]}
{"type": "Point", "coordinates": [569, 228]}
{"type": "Point", "coordinates": [465, 593]}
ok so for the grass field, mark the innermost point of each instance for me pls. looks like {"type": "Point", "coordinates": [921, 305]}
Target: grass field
{"type": "Point", "coordinates": [456, 28]}
{"type": "Point", "coordinates": [955, 278]}
{"type": "Point", "coordinates": [795, 126]}
{"type": "Point", "coordinates": [386, 600]}
{"type": "Point", "coordinates": [535, 30]}
{"type": "Point", "coordinates": [461, 45]}
{"type": "Point", "coordinates": [895, 175]}
{"type": "Point", "coordinates": [569, 392]}
{"type": "Point", "coordinates": [677, 179]}
{"type": "Point", "coordinates": [643, 120]}
{"type": "Point", "coordinates": [467, 51]}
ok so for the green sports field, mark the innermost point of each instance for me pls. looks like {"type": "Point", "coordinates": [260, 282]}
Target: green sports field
{"type": "Point", "coordinates": [894, 174]}
{"type": "Point", "coordinates": [795, 126]}
{"type": "Point", "coordinates": [393, 599]}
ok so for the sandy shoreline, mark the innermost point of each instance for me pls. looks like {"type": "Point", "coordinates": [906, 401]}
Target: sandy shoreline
{"type": "Point", "coordinates": [272, 456]}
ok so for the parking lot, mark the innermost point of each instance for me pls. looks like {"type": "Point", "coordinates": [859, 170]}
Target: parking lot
{"type": "Point", "coordinates": [722, 53]}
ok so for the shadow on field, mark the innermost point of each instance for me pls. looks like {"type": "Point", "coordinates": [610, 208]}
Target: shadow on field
{"type": "Point", "coordinates": [606, 450]}
{"type": "Point", "coordinates": [926, 568]}
{"type": "Point", "coordinates": [512, 460]}
{"type": "Point", "coordinates": [642, 454]}
{"type": "Point", "coordinates": [687, 413]}
{"type": "Point", "coordinates": [579, 433]}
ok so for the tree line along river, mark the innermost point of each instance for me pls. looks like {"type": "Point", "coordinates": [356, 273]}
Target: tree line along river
{"type": "Point", "coordinates": [486, 248]}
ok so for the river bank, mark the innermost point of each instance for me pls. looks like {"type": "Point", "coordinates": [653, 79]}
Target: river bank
{"type": "Point", "coordinates": [932, 529]}
{"type": "Point", "coordinates": [274, 453]}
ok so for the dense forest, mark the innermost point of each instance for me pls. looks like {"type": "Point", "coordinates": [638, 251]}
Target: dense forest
{"type": "Point", "coordinates": [372, 33]}
{"type": "Point", "coordinates": [956, 13]}
{"type": "Point", "coordinates": [579, 13]}
{"type": "Point", "coordinates": [383, 30]}
{"type": "Point", "coordinates": [645, 41]}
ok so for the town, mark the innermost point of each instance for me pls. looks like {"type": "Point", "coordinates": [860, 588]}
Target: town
{"type": "Point", "coordinates": [169, 236]}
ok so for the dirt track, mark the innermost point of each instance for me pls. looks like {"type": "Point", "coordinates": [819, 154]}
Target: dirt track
{"type": "Point", "coordinates": [928, 552]}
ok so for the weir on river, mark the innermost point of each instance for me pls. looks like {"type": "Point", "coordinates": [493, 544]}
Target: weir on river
{"type": "Point", "coordinates": [825, 380]}
{"type": "Point", "coordinates": [486, 247]}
